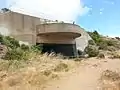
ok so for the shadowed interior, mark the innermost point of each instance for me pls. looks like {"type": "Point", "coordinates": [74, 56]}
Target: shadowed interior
{"type": "Point", "coordinates": [64, 49]}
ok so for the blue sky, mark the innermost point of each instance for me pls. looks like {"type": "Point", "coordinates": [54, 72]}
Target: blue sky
{"type": "Point", "coordinates": [103, 16]}
{"type": "Point", "coordinates": [2, 3]}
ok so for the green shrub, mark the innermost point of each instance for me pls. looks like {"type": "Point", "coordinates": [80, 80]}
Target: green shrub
{"type": "Point", "coordinates": [92, 50]}
{"type": "Point", "coordinates": [109, 45]}
{"type": "Point", "coordinates": [111, 48]}
{"type": "Point", "coordinates": [95, 36]}
{"type": "Point", "coordinates": [102, 45]}
{"type": "Point", "coordinates": [91, 42]}
{"type": "Point", "coordinates": [11, 42]}
{"type": "Point", "coordinates": [101, 55]}
{"type": "Point", "coordinates": [110, 42]}
{"type": "Point", "coordinates": [36, 48]}
{"type": "Point", "coordinates": [17, 51]}
{"type": "Point", "coordinates": [16, 54]}
{"type": "Point", "coordinates": [1, 39]}
{"type": "Point", "coordinates": [24, 47]}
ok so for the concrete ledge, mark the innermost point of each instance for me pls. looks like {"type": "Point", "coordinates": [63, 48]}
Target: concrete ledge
{"type": "Point", "coordinates": [57, 28]}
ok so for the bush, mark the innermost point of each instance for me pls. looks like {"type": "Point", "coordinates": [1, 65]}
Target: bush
{"type": "Point", "coordinates": [101, 55]}
{"type": "Point", "coordinates": [95, 36]}
{"type": "Point", "coordinates": [11, 42]}
{"type": "Point", "coordinates": [110, 80]}
{"type": "Point", "coordinates": [110, 75]}
{"type": "Point", "coordinates": [111, 48]}
{"type": "Point", "coordinates": [16, 54]}
{"type": "Point", "coordinates": [115, 56]}
{"type": "Point", "coordinates": [109, 45]}
{"type": "Point", "coordinates": [111, 42]}
{"type": "Point", "coordinates": [92, 50]}
{"type": "Point", "coordinates": [15, 51]}
{"type": "Point", "coordinates": [36, 48]}
{"type": "Point", "coordinates": [102, 45]}
{"type": "Point", "coordinates": [61, 67]}
{"type": "Point", "coordinates": [1, 39]}
{"type": "Point", "coordinates": [91, 42]}
{"type": "Point", "coordinates": [24, 47]}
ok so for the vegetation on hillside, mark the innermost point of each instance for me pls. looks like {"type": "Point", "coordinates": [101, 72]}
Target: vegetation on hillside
{"type": "Point", "coordinates": [25, 65]}
{"type": "Point", "coordinates": [100, 42]}
{"type": "Point", "coordinates": [15, 51]}
{"type": "Point", "coordinates": [104, 42]}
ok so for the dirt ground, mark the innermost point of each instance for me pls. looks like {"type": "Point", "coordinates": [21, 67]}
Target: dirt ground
{"type": "Point", "coordinates": [86, 76]}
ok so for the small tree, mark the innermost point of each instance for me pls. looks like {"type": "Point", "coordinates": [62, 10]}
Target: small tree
{"type": "Point", "coordinates": [95, 36]}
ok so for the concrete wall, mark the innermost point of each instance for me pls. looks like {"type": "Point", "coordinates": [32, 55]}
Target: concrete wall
{"type": "Point", "coordinates": [82, 42]}
{"type": "Point", "coordinates": [22, 27]}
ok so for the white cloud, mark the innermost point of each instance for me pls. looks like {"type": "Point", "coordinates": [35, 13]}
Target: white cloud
{"type": "Point", "coordinates": [109, 2]}
{"type": "Point", "coordinates": [101, 13]}
{"type": "Point", "coordinates": [52, 9]}
{"type": "Point", "coordinates": [101, 9]}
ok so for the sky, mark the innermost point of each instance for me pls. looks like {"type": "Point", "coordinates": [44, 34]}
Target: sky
{"type": "Point", "coordinates": [100, 15]}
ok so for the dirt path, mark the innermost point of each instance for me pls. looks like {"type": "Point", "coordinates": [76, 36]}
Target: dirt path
{"type": "Point", "coordinates": [86, 77]}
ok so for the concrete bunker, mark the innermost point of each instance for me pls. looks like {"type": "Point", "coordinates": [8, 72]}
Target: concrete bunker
{"type": "Point", "coordinates": [58, 38]}
{"type": "Point", "coordinates": [53, 36]}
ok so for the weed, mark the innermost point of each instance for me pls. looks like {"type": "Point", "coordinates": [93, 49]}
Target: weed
{"type": "Point", "coordinates": [61, 67]}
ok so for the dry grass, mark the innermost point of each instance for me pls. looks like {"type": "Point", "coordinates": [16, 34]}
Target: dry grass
{"type": "Point", "coordinates": [115, 55]}
{"type": "Point", "coordinates": [101, 56]}
{"type": "Point", "coordinates": [34, 73]}
{"type": "Point", "coordinates": [110, 80]}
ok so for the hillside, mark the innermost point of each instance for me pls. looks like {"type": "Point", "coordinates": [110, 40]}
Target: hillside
{"type": "Point", "coordinates": [23, 67]}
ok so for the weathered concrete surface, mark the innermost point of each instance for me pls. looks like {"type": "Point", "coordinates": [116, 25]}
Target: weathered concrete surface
{"type": "Point", "coordinates": [59, 33]}
{"type": "Point", "coordinates": [82, 42]}
{"type": "Point", "coordinates": [59, 28]}
{"type": "Point", "coordinates": [23, 28]}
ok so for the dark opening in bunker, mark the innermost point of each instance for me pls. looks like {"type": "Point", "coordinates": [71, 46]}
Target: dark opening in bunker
{"type": "Point", "coordinates": [64, 49]}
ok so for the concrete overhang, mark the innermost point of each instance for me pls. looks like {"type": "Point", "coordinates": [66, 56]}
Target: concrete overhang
{"type": "Point", "coordinates": [59, 29]}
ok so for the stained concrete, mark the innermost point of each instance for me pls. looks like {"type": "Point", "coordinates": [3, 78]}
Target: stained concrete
{"type": "Point", "coordinates": [33, 30]}
{"type": "Point", "coordinates": [20, 26]}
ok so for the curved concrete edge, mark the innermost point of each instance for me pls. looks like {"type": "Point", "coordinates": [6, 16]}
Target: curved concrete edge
{"type": "Point", "coordinates": [82, 42]}
{"type": "Point", "coordinates": [61, 34]}
{"type": "Point", "coordinates": [47, 28]}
